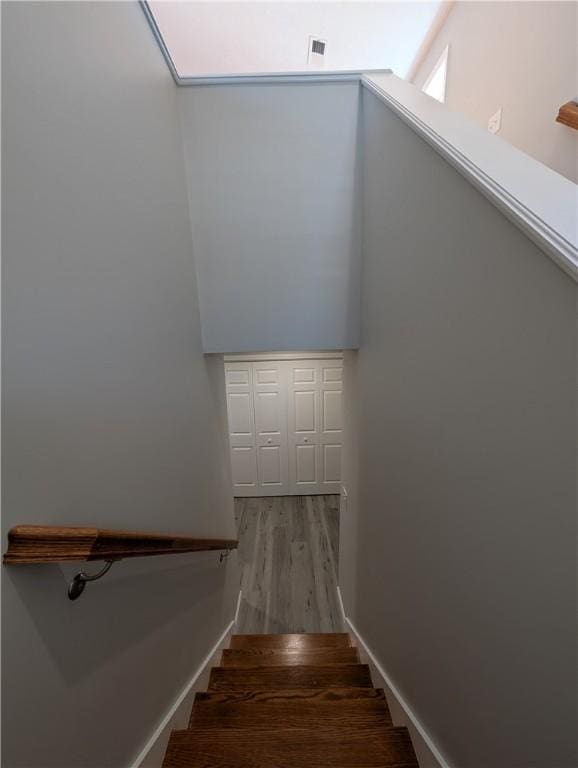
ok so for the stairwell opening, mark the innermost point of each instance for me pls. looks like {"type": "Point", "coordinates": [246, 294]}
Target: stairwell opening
{"type": "Point", "coordinates": [285, 435]}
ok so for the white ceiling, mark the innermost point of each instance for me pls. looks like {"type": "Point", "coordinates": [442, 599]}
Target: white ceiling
{"type": "Point", "coordinates": [222, 38]}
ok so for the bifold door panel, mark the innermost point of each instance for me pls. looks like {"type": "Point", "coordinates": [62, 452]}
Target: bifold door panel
{"type": "Point", "coordinates": [285, 423]}
{"type": "Point", "coordinates": [240, 409]}
{"type": "Point", "coordinates": [269, 398]}
{"type": "Point", "coordinates": [303, 432]}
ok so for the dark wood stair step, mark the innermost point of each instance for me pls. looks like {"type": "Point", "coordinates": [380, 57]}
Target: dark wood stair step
{"type": "Point", "coordinates": [292, 708]}
{"type": "Point", "coordinates": [292, 642]}
{"type": "Point", "coordinates": [246, 657]}
{"type": "Point", "coordinates": [314, 747]}
{"type": "Point", "coordinates": [260, 678]}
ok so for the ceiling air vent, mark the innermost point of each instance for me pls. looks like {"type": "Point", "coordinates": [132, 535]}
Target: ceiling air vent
{"type": "Point", "coordinates": [316, 52]}
{"type": "Point", "coordinates": [318, 46]}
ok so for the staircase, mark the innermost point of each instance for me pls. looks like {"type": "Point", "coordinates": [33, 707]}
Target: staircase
{"type": "Point", "coordinates": [290, 700]}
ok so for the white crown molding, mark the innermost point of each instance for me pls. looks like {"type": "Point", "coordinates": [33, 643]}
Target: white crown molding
{"type": "Point", "coordinates": [260, 78]}
{"type": "Point", "coordinates": [554, 228]}
{"type": "Point", "coordinates": [160, 40]}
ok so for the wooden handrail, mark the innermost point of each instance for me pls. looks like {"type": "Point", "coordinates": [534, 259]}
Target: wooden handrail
{"type": "Point", "coordinates": [28, 544]}
{"type": "Point", "coordinates": [568, 114]}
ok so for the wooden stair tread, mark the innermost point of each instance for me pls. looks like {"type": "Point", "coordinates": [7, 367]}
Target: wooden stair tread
{"type": "Point", "coordinates": [290, 701]}
{"type": "Point", "coordinates": [245, 657]}
{"type": "Point", "coordinates": [327, 676]}
{"type": "Point", "coordinates": [292, 708]}
{"type": "Point", "coordinates": [292, 641]}
{"type": "Point", "coordinates": [315, 747]}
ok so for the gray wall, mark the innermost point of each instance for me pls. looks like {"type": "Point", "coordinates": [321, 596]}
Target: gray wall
{"type": "Point", "coordinates": [274, 208]}
{"type": "Point", "coordinates": [465, 585]}
{"type": "Point", "coordinates": [112, 417]}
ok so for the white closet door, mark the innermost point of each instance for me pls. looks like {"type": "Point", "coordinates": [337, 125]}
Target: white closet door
{"type": "Point", "coordinates": [331, 412]}
{"type": "Point", "coordinates": [303, 435]}
{"type": "Point", "coordinates": [241, 419]}
{"type": "Point", "coordinates": [315, 425]}
{"type": "Point", "coordinates": [270, 404]}
{"type": "Point", "coordinates": [285, 426]}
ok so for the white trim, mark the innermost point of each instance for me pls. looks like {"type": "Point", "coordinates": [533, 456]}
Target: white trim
{"type": "Point", "coordinates": [152, 754]}
{"type": "Point", "coordinates": [265, 356]}
{"type": "Point", "coordinates": [412, 718]}
{"type": "Point", "coordinates": [260, 78]}
{"type": "Point", "coordinates": [340, 603]}
{"type": "Point", "coordinates": [238, 608]}
{"type": "Point", "coordinates": [425, 747]}
{"type": "Point", "coordinates": [149, 16]}
{"type": "Point", "coordinates": [535, 198]}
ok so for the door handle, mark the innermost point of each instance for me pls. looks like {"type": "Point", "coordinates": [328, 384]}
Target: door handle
{"type": "Point", "coordinates": [269, 440]}
{"type": "Point", "coordinates": [305, 439]}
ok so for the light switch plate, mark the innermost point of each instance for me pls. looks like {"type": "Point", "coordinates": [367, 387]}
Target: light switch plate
{"type": "Point", "coordinates": [495, 121]}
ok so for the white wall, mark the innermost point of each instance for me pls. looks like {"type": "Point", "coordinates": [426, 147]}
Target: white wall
{"type": "Point", "coordinates": [112, 417]}
{"type": "Point", "coordinates": [521, 56]}
{"type": "Point", "coordinates": [236, 37]}
{"type": "Point", "coordinates": [464, 584]}
{"type": "Point", "coordinates": [272, 173]}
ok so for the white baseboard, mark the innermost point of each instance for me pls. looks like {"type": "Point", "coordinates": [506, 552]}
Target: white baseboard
{"type": "Point", "coordinates": [427, 752]}
{"type": "Point", "coordinates": [341, 606]}
{"type": "Point", "coordinates": [238, 608]}
{"type": "Point", "coordinates": [152, 754]}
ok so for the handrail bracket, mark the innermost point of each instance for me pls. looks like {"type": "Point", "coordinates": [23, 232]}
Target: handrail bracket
{"type": "Point", "coordinates": [80, 580]}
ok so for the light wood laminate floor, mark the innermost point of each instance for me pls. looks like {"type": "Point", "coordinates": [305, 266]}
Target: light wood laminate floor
{"type": "Point", "coordinates": [288, 550]}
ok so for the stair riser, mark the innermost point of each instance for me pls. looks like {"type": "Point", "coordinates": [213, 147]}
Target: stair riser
{"type": "Point", "coordinates": [315, 748]}
{"type": "Point", "coordinates": [358, 713]}
{"type": "Point", "coordinates": [262, 678]}
{"type": "Point", "coordinates": [275, 658]}
{"type": "Point", "coordinates": [291, 642]}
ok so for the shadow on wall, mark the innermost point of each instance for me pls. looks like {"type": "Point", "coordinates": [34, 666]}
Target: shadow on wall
{"type": "Point", "coordinates": [115, 614]}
